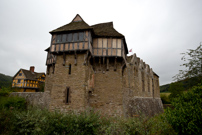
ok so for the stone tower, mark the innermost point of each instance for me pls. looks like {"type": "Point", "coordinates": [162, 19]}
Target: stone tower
{"type": "Point", "coordinates": [87, 68]}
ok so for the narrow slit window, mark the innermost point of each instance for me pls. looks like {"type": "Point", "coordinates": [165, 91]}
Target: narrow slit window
{"type": "Point", "coordinates": [67, 95]}
{"type": "Point", "coordinates": [69, 69]}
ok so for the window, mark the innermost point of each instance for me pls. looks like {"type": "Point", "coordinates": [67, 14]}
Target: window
{"type": "Point", "coordinates": [67, 97]}
{"type": "Point", "coordinates": [58, 38]}
{"type": "Point", "coordinates": [75, 37]}
{"type": "Point", "coordinates": [148, 84]}
{"type": "Point", "coordinates": [69, 69]}
{"type": "Point", "coordinates": [69, 38]}
{"type": "Point", "coordinates": [64, 37]}
{"type": "Point", "coordinates": [19, 80]}
{"type": "Point", "coordinates": [143, 89]}
{"type": "Point", "coordinates": [20, 74]}
{"type": "Point", "coordinates": [81, 36]}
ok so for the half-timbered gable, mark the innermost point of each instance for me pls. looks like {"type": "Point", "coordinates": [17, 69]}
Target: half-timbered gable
{"type": "Point", "coordinates": [28, 80]}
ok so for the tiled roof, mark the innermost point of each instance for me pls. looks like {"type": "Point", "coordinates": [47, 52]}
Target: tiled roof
{"type": "Point", "coordinates": [29, 75]}
{"type": "Point", "coordinates": [72, 26]}
{"type": "Point", "coordinates": [106, 30]}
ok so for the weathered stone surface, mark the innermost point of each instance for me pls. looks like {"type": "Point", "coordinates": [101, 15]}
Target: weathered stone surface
{"type": "Point", "coordinates": [40, 99]}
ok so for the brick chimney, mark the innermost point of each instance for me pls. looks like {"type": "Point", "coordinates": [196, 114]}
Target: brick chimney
{"type": "Point", "coordinates": [32, 69]}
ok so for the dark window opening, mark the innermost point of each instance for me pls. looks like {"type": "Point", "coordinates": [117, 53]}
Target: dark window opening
{"type": "Point", "coordinates": [58, 38]}
{"type": "Point", "coordinates": [69, 38]}
{"type": "Point", "coordinates": [81, 36]}
{"type": "Point", "coordinates": [69, 69]}
{"type": "Point", "coordinates": [20, 74]}
{"type": "Point", "coordinates": [64, 37]}
{"type": "Point", "coordinates": [67, 95]}
{"type": "Point", "coordinates": [19, 80]}
{"type": "Point", "coordinates": [143, 85]}
{"type": "Point", "coordinates": [75, 37]}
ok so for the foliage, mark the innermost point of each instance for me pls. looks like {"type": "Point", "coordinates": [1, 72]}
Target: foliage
{"type": "Point", "coordinates": [35, 121]}
{"type": "Point", "coordinates": [12, 102]}
{"type": "Point", "coordinates": [41, 86]}
{"type": "Point", "coordinates": [164, 88]}
{"type": "Point", "coordinates": [165, 98]}
{"type": "Point", "coordinates": [6, 121]}
{"type": "Point", "coordinates": [186, 117]}
{"type": "Point", "coordinates": [193, 64]}
{"type": "Point", "coordinates": [5, 91]}
{"type": "Point", "coordinates": [176, 89]}
{"type": "Point", "coordinates": [5, 81]}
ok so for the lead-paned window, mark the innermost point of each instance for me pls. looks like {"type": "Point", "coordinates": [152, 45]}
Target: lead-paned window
{"type": "Point", "coordinates": [81, 36]}
{"type": "Point", "coordinates": [69, 37]}
{"type": "Point", "coordinates": [64, 37]}
{"type": "Point", "coordinates": [75, 37]}
{"type": "Point", "coordinates": [58, 39]}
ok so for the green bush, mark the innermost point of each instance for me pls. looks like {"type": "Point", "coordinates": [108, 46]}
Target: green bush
{"type": "Point", "coordinates": [35, 121]}
{"type": "Point", "coordinates": [165, 99]}
{"type": "Point", "coordinates": [6, 121]}
{"type": "Point", "coordinates": [176, 89]}
{"type": "Point", "coordinates": [12, 102]}
{"type": "Point", "coordinates": [186, 117]}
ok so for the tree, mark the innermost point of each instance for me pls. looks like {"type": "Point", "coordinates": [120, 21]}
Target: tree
{"type": "Point", "coordinates": [186, 116]}
{"type": "Point", "coordinates": [193, 64]}
{"type": "Point", "coordinates": [176, 89]}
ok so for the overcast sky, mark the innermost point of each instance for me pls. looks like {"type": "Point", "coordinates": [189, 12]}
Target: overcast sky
{"type": "Point", "coordinates": [156, 30]}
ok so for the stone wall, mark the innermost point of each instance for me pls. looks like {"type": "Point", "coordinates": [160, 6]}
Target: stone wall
{"type": "Point", "coordinates": [74, 79]}
{"type": "Point", "coordinates": [144, 106]}
{"type": "Point", "coordinates": [40, 99]}
{"type": "Point", "coordinates": [107, 96]}
{"type": "Point", "coordinates": [106, 85]}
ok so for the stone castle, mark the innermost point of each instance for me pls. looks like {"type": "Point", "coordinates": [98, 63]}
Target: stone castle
{"type": "Point", "coordinates": [88, 68]}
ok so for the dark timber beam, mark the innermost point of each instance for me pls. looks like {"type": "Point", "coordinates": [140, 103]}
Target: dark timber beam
{"type": "Point", "coordinates": [85, 58]}
{"type": "Point", "coordinates": [104, 69]}
{"type": "Point", "coordinates": [100, 63]}
{"type": "Point", "coordinates": [115, 63]}
{"type": "Point", "coordinates": [64, 59]}
{"type": "Point", "coordinates": [75, 58]}
{"type": "Point", "coordinates": [107, 64]}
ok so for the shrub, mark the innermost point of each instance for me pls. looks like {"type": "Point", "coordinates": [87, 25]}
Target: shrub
{"type": "Point", "coordinates": [12, 102]}
{"type": "Point", "coordinates": [6, 121]}
{"type": "Point", "coordinates": [186, 117]}
{"type": "Point", "coordinates": [165, 99]}
{"type": "Point", "coordinates": [176, 89]}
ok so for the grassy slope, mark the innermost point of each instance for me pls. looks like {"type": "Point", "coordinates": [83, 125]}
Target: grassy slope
{"type": "Point", "coordinates": [5, 81]}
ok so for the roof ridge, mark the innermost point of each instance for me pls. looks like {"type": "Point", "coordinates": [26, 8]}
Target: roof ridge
{"type": "Point", "coordinates": [103, 23]}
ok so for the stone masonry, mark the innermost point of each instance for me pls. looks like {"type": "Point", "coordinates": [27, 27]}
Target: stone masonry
{"type": "Point", "coordinates": [88, 68]}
